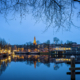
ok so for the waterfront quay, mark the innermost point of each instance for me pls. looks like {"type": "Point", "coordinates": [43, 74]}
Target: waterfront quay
{"type": "Point", "coordinates": [41, 48]}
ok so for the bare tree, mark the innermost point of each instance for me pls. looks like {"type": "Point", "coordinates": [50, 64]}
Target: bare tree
{"type": "Point", "coordinates": [55, 13]}
{"type": "Point", "coordinates": [38, 42]}
{"type": "Point", "coordinates": [48, 44]}
{"type": "Point", "coordinates": [2, 42]}
{"type": "Point", "coordinates": [56, 40]}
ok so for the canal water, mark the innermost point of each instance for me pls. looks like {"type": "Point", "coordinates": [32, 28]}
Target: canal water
{"type": "Point", "coordinates": [26, 68]}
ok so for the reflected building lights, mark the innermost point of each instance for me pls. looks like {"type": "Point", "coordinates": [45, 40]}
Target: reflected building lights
{"type": "Point", "coordinates": [34, 64]}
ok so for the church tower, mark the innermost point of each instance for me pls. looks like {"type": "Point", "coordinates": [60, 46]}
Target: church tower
{"type": "Point", "coordinates": [34, 41]}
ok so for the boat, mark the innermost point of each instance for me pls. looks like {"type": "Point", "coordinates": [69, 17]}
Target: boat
{"type": "Point", "coordinates": [3, 54]}
{"type": "Point", "coordinates": [21, 52]}
{"type": "Point", "coordinates": [34, 53]}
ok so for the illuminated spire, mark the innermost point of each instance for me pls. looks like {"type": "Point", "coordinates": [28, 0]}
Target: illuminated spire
{"type": "Point", "coordinates": [34, 41]}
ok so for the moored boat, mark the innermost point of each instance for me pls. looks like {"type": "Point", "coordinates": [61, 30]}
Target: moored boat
{"type": "Point", "coordinates": [34, 53]}
{"type": "Point", "coordinates": [3, 54]}
{"type": "Point", "coordinates": [21, 52]}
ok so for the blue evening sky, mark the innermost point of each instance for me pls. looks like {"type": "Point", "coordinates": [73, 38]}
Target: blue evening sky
{"type": "Point", "coordinates": [19, 33]}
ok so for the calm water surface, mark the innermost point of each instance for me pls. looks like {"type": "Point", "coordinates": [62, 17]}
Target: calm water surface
{"type": "Point", "coordinates": [18, 68]}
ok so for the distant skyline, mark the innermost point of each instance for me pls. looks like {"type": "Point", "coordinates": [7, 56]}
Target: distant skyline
{"type": "Point", "coordinates": [19, 33]}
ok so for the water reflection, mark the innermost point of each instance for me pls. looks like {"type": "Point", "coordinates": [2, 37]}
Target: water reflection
{"type": "Point", "coordinates": [37, 60]}
{"type": "Point", "coordinates": [4, 63]}
{"type": "Point", "coordinates": [56, 67]}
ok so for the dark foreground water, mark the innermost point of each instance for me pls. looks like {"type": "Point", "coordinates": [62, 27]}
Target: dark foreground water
{"type": "Point", "coordinates": [18, 68]}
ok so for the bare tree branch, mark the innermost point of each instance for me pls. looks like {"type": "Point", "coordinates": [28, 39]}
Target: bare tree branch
{"type": "Point", "coordinates": [55, 13]}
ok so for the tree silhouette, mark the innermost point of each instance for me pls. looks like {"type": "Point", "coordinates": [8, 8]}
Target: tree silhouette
{"type": "Point", "coordinates": [38, 42]}
{"type": "Point", "coordinates": [57, 13]}
{"type": "Point", "coordinates": [2, 42]}
{"type": "Point", "coordinates": [61, 42]}
{"type": "Point", "coordinates": [48, 44]}
{"type": "Point", "coordinates": [55, 39]}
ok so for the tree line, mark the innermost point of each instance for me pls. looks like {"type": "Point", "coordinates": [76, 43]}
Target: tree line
{"type": "Point", "coordinates": [55, 41]}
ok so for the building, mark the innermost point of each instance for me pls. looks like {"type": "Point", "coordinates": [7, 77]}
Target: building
{"type": "Point", "coordinates": [34, 41]}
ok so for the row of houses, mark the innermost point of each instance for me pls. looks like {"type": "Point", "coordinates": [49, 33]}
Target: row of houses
{"type": "Point", "coordinates": [40, 48]}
